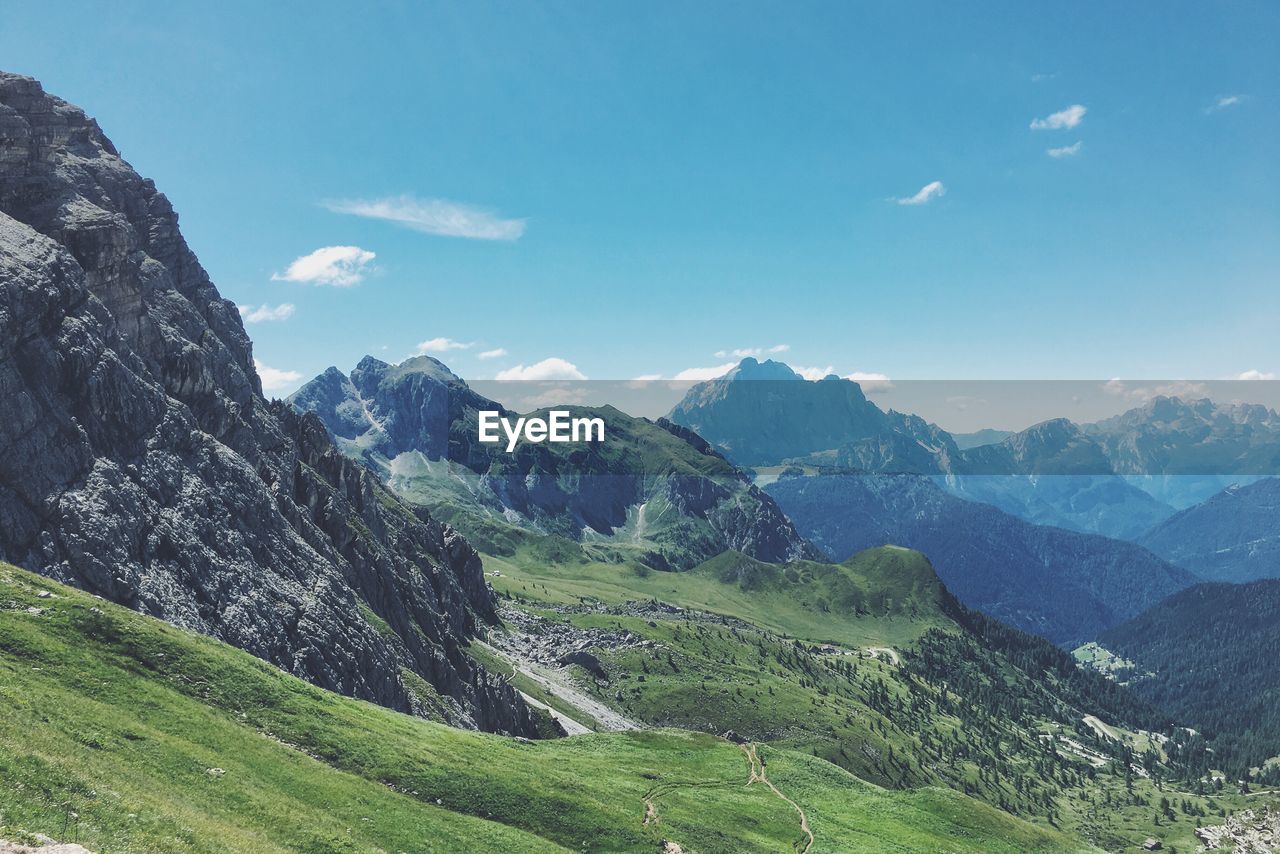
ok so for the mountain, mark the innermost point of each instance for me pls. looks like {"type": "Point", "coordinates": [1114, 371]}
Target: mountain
{"type": "Point", "coordinates": [1118, 477]}
{"type": "Point", "coordinates": [1233, 536]}
{"type": "Point", "coordinates": [1062, 585]}
{"type": "Point", "coordinates": [985, 436]}
{"type": "Point", "coordinates": [1208, 656]}
{"type": "Point", "coordinates": [1053, 447]}
{"type": "Point", "coordinates": [142, 463]}
{"type": "Point", "coordinates": [1093, 504]}
{"type": "Point", "coordinates": [129, 735]}
{"type": "Point", "coordinates": [652, 490]}
{"type": "Point", "coordinates": [764, 413]}
{"type": "Point", "coordinates": [1197, 437]}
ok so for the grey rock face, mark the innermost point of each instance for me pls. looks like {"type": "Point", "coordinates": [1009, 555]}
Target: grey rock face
{"type": "Point", "coordinates": [139, 459]}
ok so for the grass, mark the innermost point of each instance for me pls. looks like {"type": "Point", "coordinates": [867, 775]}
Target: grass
{"type": "Point", "coordinates": [881, 597]}
{"type": "Point", "coordinates": [880, 722]}
{"type": "Point", "coordinates": [127, 734]}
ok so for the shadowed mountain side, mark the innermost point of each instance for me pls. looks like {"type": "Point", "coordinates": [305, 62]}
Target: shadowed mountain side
{"type": "Point", "coordinates": [1062, 585]}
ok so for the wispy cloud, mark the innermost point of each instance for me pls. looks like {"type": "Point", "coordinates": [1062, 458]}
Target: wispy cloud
{"type": "Point", "coordinates": [342, 266]}
{"type": "Point", "coordinates": [274, 379]}
{"type": "Point", "coordinates": [1043, 77]}
{"type": "Point", "coordinates": [553, 368]}
{"type": "Point", "coordinates": [434, 216]}
{"type": "Point", "coordinates": [1061, 120]}
{"type": "Point", "coordinates": [924, 195]}
{"type": "Point", "coordinates": [813, 374]}
{"type": "Point", "coordinates": [870, 382]}
{"type": "Point", "coordinates": [264, 312]}
{"type": "Point", "coordinates": [744, 352]}
{"type": "Point", "coordinates": [1223, 102]}
{"type": "Point", "coordinates": [646, 378]}
{"type": "Point", "coordinates": [441, 345]}
{"type": "Point", "coordinates": [496, 353]}
{"type": "Point", "coordinates": [1142, 394]}
{"type": "Point", "coordinates": [1256, 375]}
{"type": "Point", "coordinates": [1065, 151]}
{"type": "Point", "coordinates": [701, 374]}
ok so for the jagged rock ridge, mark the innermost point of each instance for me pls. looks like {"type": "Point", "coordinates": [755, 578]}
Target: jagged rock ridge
{"type": "Point", "coordinates": [651, 491]}
{"type": "Point", "coordinates": [141, 461]}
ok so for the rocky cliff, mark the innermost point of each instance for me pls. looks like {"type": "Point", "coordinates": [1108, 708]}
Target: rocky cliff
{"type": "Point", "coordinates": [141, 461]}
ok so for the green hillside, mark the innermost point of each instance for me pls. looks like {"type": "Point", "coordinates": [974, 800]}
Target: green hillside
{"type": "Point", "coordinates": [869, 665]}
{"type": "Point", "coordinates": [881, 596]}
{"type": "Point", "coordinates": [122, 732]}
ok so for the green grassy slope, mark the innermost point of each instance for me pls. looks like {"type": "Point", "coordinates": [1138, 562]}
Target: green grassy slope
{"type": "Point", "coordinates": [879, 597]}
{"type": "Point", "coordinates": [974, 706]}
{"type": "Point", "coordinates": [128, 734]}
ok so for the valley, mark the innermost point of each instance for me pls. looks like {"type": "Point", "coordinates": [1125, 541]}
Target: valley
{"type": "Point", "coordinates": [860, 688]}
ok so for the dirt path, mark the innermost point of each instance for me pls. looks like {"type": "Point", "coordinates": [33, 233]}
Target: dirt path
{"type": "Point", "coordinates": [891, 654]}
{"type": "Point", "coordinates": [1100, 728]}
{"type": "Point", "coordinates": [757, 775]}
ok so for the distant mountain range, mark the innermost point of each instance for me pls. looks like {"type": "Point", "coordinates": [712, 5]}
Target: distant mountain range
{"type": "Point", "coordinates": [652, 491]}
{"type": "Point", "coordinates": [1118, 477]}
{"type": "Point", "coordinates": [1063, 585]}
{"type": "Point", "coordinates": [1233, 536]}
{"type": "Point", "coordinates": [765, 414]}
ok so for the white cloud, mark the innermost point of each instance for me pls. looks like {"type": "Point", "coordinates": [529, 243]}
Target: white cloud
{"type": "Point", "coordinates": [264, 312]}
{"type": "Point", "coordinates": [342, 266]}
{"type": "Point", "coordinates": [1223, 102]}
{"type": "Point", "coordinates": [700, 374]}
{"type": "Point", "coordinates": [1061, 120]}
{"type": "Point", "coordinates": [1066, 150]}
{"type": "Point", "coordinates": [1256, 375]}
{"type": "Point", "coordinates": [434, 216]}
{"type": "Point", "coordinates": [553, 368]}
{"type": "Point", "coordinates": [813, 374]}
{"type": "Point", "coordinates": [1143, 394]}
{"type": "Point", "coordinates": [1042, 77]}
{"type": "Point", "coordinates": [925, 194]}
{"type": "Point", "coordinates": [274, 379]}
{"type": "Point", "coordinates": [870, 382]}
{"type": "Point", "coordinates": [647, 378]}
{"type": "Point", "coordinates": [497, 353]}
{"type": "Point", "coordinates": [744, 352]}
{"type": "Point", "coordinates": [441, 345]}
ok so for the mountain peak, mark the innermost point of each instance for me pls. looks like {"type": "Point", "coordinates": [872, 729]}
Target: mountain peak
{"type": "Point", "coordinates": [752, 369]}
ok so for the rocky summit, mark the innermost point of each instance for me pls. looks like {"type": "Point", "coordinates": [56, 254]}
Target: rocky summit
{"type": "Point", "coordinates": [651, 491]}
{"type": "Point", "coordinates": [142, 462]}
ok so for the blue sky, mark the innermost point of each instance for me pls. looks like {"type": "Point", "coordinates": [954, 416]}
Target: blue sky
{"type": "Point", "coordinates": [642, 189]}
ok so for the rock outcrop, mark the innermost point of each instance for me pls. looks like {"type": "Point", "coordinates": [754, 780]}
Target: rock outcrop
{"type": "Point", "coordinates": [140, 460]}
